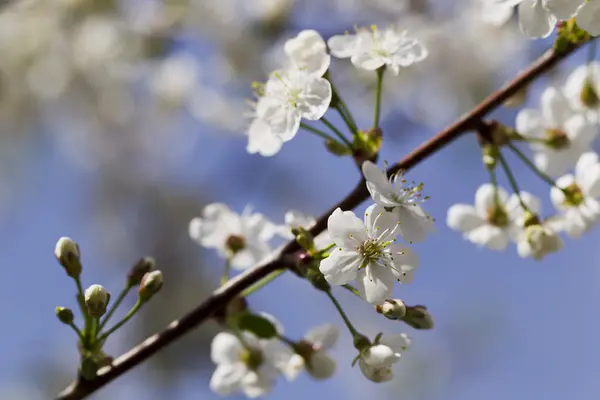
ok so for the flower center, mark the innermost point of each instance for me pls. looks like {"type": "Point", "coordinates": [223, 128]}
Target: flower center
{"type": "Point", "coordinates": [589, 96]}
{"type": "Point", "coordinates": [371, 250]}
{"type": "Point", "coordinates": [573, 195]}
{"type": "Point", "coordinates": [497, 216]}
{"type": "Point", "coordinates": [557, 139]}
{"type": "Point", "coordinates": [305, 350]}
{"type": "Point", "coordinates": [252, 358]}
{"type": "Point", "coordinates": [235, 243]}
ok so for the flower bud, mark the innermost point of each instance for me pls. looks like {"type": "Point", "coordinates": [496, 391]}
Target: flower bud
{"type": "Point", "coordinates": [67, 254]}
{"type": "Point", "coordinates": [418, 317]}
{"type": "Point", "coordinates": [96, 300]}
{"type": "Point", "coordinates": [65, 315]}
{"type": "Point", "coordinates": [392, 309]}
{"type": "Point", "coordinates": [366, 145]}
{"type": "Point", "coordinates": [150, 285]}
{"type": "Point", "coordinates": [141, 268]}
{"type": "Point", "coordinates": [304, 238]}
{"type": "Point", "coordinates": [539, 241]}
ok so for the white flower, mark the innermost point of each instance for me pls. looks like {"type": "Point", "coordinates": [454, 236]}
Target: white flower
{"type": "Point", "coordinates": [241, 237]}
{"type": "Point", "coordinates": [248, 367]}
{"type": "Point", "coordinates": [295, 219]}
{"type": "Point", "coordinates": [537, 18]}
{"type": "Point", "coordinates": [288, 96]}
{"type": "Point", "coordinates": [405, 201]}
{"type": "Point", "coordinates": [494, 12]}
{"type": "Point", "coordinates": [588, 17]}
{"type": "Point", "coordinates": [490, 223]}
{"type": "Point", "coordinates": [539, 240]}
{"type": "Point", "coordinates": [308, 52]}
{"type": "Point", "coordinates": [372, 49]}
{"type": "Point", "coordinates": [582, 88]}
{"type": "Point", "coordinates": [566, 134]}
{"type": "Point", "coordinates": [577, 202]}
{"type": "Point", "coordinates": [311, 352]}
{"type": "Point", "coordinates": [368, 253]}
{"type": "Point", "coordinates": [376, 361]}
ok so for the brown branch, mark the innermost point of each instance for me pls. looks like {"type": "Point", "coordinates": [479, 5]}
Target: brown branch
{"type": "Point", "coordinates": [80, 388]}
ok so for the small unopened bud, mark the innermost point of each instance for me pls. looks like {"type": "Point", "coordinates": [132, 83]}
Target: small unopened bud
{"type": "Point", "coordinates": [589, 96]}
{"type": "Point", "coordinates": [150, 285]}
{"type": "Point", "coordinates": [141, 268]}
{"type": "Point", "coordinates": [65, 315]}
{"type": "Point", "coordinates": [337, 148]}
{"type": "Point", "coordinates": [304, 238]}
{"type": "Point", "coordinates": [392, 309]}
{"type": "Point", "coordinates": [418, 317]}
{"type": "Point", "coordinates": [96, 300]}
{"type": "Point", "coordinates": [67, 254]}
{"type": "Point", "coordinates": [366, 145]}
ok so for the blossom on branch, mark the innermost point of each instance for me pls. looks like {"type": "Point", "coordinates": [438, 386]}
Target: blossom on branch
{"type": "Point", "coordinates": [376, 361]}
{"type": "Point", "coordinates": [582, 88]}
{"type": "Point", "coordinates": [367, 251]}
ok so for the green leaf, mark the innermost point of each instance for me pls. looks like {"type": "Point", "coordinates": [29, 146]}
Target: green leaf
{"type": "Point", "coordinates": [259, 326]}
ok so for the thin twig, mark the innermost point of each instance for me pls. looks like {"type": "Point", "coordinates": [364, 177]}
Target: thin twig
{"type": "Point", "coordinates": [80, 388]}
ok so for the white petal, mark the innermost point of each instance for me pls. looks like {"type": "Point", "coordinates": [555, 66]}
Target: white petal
{"type": "Point", "coordinates": [375, 283]}
{"type": "Point", "coordinates": [563, 9]}
{"type": "Point", "coordinates": [256, 385]}
{"type": "Point", "coordinates": [411, 51]}
{"type": "Point", "coordinates": [574, 224]}
{"type": "Point", "coordinates": [489, 236]}
{"type": "Point", "coordinates": [513, 205]}
{"type": "Point", "coordinates": [378, 375]}
{"type": "Point", "coordinates": [367, 61]}
{"type": "Point", "coordinates": [485, 198]}
{"type": "Point", "coordinates": [323, 337]}
{"type": "Point", "coordinates": [580, 131]}
{"type": "Point", "coordinates": [262, 140]}
{"type": "Point", "coordinates": [398, 343]}
{"type": "Point", "coordinates": [534, 20]}
{"type": "Point", "coordinates": [341, 266]}
{"type": "Point", "coordinates": [413, 227]}
{"type": "Point", "coordinates": [585, 162]}
{"type": "Point", "coordinates": [555, 107]}
{"type": "Point", "coordinates": [380, 356]}
{"type": "Point", "coordinates": [308, 52]}
{"type": "Point", "coordinates": [380, 222]}
{"type": "Point", "coordinates": [225, 349]}
{"type": "Point", "coordinates": [345, 229]}
{"type": "Point", "coordinates": [556, 195]}
{"type": "Point", "coordinates": [227, 378]}
{"type": "Point", "coordinates": [315, 99]}
{"type": "Point", "coordinates": [404, 264]}
{"type": "Point", "coordinates": [322, 366]}
{"type": "Point", "coordinates": [463, 218]}
{"type": "Point", "coordinates": [342, 46]}
{"type": "Point", "coordinates": [378, 184]}
{"type": "Point", "coordinates": [530, 123]}
{"type": "Point", "coordinates": [588, 17]}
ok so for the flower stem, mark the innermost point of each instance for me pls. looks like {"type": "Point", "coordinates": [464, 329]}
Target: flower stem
{"type": "Point", "coordinates": [343, 110]}
{"type": "Point", "coordinates": [258, 285]}
{"type": "Point", "coordinates": [86, 317]}
{"type": "Point", "coordinates": [512, 180]}
{"type": "Point", "coordinates": [531, 166]}
{"type": "Point", "coordinates": [114, 307]}
{"type": "Point", "coordinates": [127, 317]}
{"type": "Point", "coordinates": [494, 182]}
{"type": "Point", "coordinates": [337, 305]}
{"type": "Point", "coordinates": [352, 289]}
{"type": "Point", "coordinates": [77, 330]}
{"type": "Point", "coordinates": [226, 271]}
{"type": "Point", "coordinates": [378, 91]}
{"type": "Point", "coordinates": [317, 132]}
{"type": "Point", "coordinates": [336, 131]}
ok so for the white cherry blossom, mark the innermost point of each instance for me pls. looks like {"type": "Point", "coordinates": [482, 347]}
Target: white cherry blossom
{"type": "Point", "coordinates": [312, 352]}
{"type": "Point", "coordinates": [577, 201]}
{"type": "Point", "coordinates": [490, 223]}
{"type": "Point", "coordinates": [405, 200]}
{"type": "Point", "coordinates": [582, 88]}
{"type": "Point", "coordinates": [248, 367]}
{"type": "Point", "coordinates": [366, 251]}
{"type": "Point", "coordinates": [243, 237]}
{"type": "Point", "coordinates": [372, 49]}
{"type": "Point", "coordinates": [566, 134]}
{"type": "Point", "coordinates": [308, 52]}
{"type": "Point", "coordinates": [538, 240]}
{"type": "Point", "coordinates": [537, 18]}
{"type": "Point", "coordinates": [588, 17]}
{"type": "Point", "coordinates": [494, 12]}
{"type": "Point", "coordinates": [376, 361]}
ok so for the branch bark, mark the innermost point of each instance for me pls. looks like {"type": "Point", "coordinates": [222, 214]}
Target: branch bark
{"type": "Point", "coordinates": [80, 388]}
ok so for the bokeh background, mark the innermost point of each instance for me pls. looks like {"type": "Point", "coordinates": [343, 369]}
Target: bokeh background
{"type": "Point", "coordinates": [120, 120]}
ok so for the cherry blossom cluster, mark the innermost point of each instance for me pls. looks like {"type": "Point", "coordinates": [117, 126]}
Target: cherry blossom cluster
{"type": "Point", "coordinates": [560, 135]}
{"type": "Point", "coordinates": [537, 18]}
